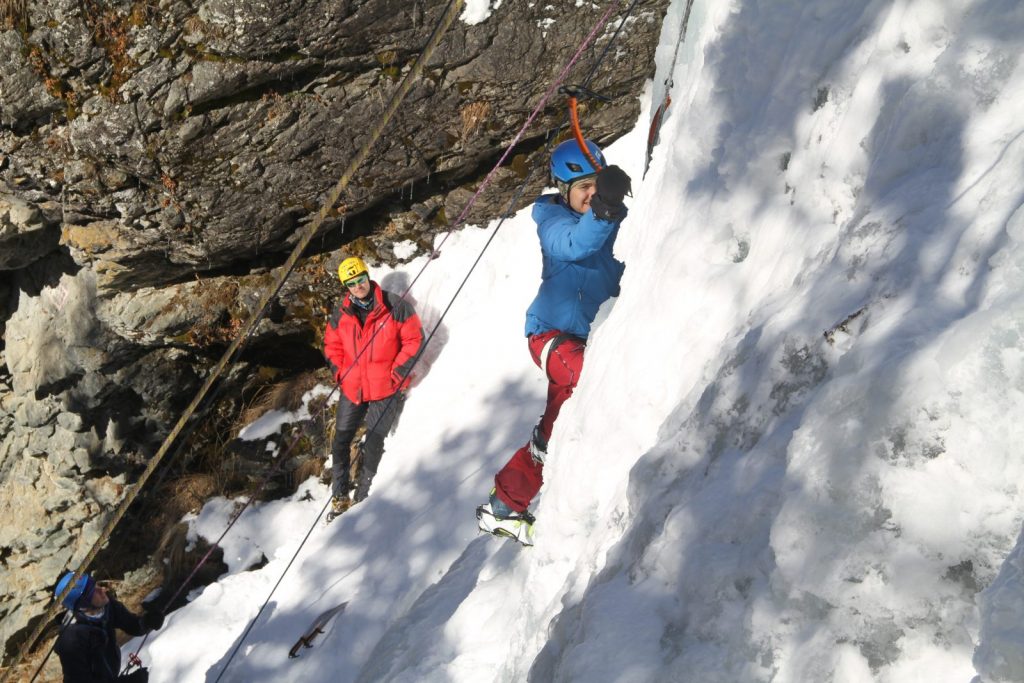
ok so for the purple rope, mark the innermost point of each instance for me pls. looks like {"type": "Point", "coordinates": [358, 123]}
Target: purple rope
{"type": "Point", "coordinates": [522, 131]}
{"type": "Point", "coordinates": [458, 221]}
{"type": "Point", "coordinates": [216, 544]}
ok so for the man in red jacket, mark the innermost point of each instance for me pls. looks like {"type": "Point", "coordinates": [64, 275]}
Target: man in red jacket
{"type": "Point", "coordinates": [372, 341]}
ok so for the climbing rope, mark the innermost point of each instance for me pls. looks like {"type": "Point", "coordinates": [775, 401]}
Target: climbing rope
{"type": "Point", "coordinates": [235, 516]}
{"type": "Point", "coordinates": [573, 118]}
{"type": "Point", "coordinates": [284, 272]}
{"type": "Point", "coordinates": [659, 114]}
{"type": "Point", "coordinates": [508, 212]}
{"type": "Point", "coordinates": [307, 237]}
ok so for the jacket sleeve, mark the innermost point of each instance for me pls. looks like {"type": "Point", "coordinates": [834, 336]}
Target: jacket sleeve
{"type": "Point", "coordinates": [410, 331]}
{"type": "Point", "coordinates": [334, 349]}
{"type": "Point", "coordinates": [567, 238]}
{"type": "Point", "coordinates": [128, 622]}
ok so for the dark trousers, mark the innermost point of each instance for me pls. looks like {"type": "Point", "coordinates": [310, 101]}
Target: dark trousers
{"type": "Point", "coordinates": [521, 478]}
{"type": "Point", "coordinates": [379, 416]}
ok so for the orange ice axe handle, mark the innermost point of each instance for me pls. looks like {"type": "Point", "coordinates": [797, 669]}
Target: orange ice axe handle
{"type": "Point", "coordinates": [574, 118]}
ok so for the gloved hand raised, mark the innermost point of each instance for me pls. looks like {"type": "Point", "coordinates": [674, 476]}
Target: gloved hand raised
{"type": "Point", "coordinates": [153, 620]}
{"type": "Point", "coordinates": [613, 184]}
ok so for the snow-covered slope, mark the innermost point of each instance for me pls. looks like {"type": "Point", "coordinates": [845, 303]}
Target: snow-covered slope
{"type": "Point", "coordinates": [794, 453]}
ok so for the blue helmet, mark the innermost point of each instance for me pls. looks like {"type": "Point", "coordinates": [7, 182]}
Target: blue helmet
{"type": "Point", "coordinates": [81, 592]}
{"type": "Point", "coordinates": [569, 163]}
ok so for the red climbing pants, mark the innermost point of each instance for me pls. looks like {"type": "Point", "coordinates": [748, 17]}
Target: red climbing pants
{"type": "Point", "coordinates": [561, 357]}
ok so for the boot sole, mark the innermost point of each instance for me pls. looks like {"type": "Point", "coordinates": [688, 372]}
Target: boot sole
{"type": "Point", "coordinates": [500, 532]}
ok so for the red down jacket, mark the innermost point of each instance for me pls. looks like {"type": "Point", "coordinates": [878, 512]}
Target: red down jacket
{"type": "Point", "coordinates": [372, 360]}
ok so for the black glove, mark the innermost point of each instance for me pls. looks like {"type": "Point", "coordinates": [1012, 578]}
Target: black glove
{"type": "Point", "coordinates": [613, 184]}
{"type": "Point", "coordinates": [153, 620]}
{"type": "Point", "coordinates": [139, 676]}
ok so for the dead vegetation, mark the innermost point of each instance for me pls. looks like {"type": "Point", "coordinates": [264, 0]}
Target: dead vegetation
{"type": "Point", "coordinates": [473, 116]}
{"type": "Point", "coordinates": [313, 466]}
{"type": "Point", "coordinates": [13, 12]}
{"type": "Point", "coordinates": [285, 395]}
{"type": "Point", "coordinates": [111, 32]}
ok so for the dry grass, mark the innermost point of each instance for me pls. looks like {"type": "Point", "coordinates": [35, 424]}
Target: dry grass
{"type": "Point", "coordinates": [173, 561]}
{"type": "Point", "coordinates": [13, 12]}
{"type": "Point", "coordinates": [286, 396]}
{"type": "Point", "coordinates": [172, 553]}
{"type": "Point", "coordinates": [356, 456]}
{"type": "Point", "coordinates": [170, 559]}
{"type": "Point", "coordinates": [355, 452]}
{"type": "Point", "coordinates": [219, 468]}
{"type": "Point", "coordinates": [143, 14]}
{"type": "Point", "coordinates": [312, 466]}
{"type": "Point", "coordinates": [189, 492]}
{"type": "Point", "coordinates": [318, 406]}
{"type": "Point", "coordinates": [216, 471]}
{"type": "Point", "coordinates": [194, 25]}
{"type": "Point", "coordinates": [176, 497]}
{"type": "Point", "coordinates": [473, 115]}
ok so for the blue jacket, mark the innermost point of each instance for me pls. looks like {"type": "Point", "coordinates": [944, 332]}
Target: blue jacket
{"type": "Point", "coordinates": [579, 273]}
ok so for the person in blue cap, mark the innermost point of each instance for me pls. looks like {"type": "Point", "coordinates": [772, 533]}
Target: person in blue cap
{"type": "Point", "coordinates": [577, 229]}
{"type": "Point", "coordinates": [87, 647]}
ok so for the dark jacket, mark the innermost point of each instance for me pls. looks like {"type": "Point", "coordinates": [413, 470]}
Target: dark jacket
{"type": "Point", "coordinates": [88, 647]}
{"type": "Point", "coordinates": [371, 353]}
{"type": "Point", "coordinates": [580, 273]}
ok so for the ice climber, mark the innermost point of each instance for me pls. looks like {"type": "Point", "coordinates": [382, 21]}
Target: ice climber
{"type": "Point", "coordinates": [577, 229]}
{"type": "Point", "coordinates": [87, 647]}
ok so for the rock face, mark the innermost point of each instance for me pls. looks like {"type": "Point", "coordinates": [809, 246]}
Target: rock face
{"type": "Point", "coordinates": [26, 233]}
{"type": "Point", "coordinates": [156, 163]}
{"type": "Point", "coordinates": [199, 139]}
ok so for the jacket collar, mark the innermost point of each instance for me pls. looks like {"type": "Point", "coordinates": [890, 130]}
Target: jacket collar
{"type": "Point", "coordinates": [561, 201]}
{"type": "Point", "coordinates": [375, 291]}
{"type": "Point", "coordinates": [93, 619]}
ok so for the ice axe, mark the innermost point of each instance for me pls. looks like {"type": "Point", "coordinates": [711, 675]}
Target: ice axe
{"type": "Point", "coordinates": [574, 93]}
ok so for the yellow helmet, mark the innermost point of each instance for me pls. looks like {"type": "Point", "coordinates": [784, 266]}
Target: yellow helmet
{"type": "Point", "coordinates": [351, 267]}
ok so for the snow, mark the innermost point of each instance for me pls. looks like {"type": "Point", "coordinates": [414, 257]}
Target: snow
{"type": "Point", "coordinates": [794, 452]}
{"type": "Point", "coordinates": [404, 249]}
{"type": "Point", "coordinates": [271, 422]}
{"type": "Point", "coordinates": [477, 11]}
